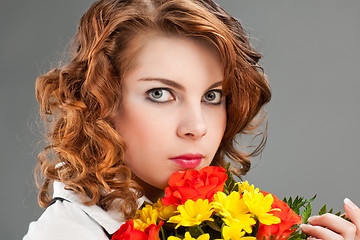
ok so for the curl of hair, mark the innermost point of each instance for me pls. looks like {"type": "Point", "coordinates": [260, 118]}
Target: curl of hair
{"type": "Point", "coordinates": [81, 99]}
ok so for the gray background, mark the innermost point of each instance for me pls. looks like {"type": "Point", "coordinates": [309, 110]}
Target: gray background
{"type": "Point", "coordinates": [311, 56]}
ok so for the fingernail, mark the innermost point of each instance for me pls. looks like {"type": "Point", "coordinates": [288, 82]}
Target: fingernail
{"type": "Point", "coordinates": [349, 203]}
{"type": "Point", "coordinates": [310, 219]}
{"type": "Point", "coordinates": [305, 227]}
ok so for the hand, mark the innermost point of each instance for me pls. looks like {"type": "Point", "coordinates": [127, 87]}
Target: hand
{"type": "Point", "coordinates": [332, 227]}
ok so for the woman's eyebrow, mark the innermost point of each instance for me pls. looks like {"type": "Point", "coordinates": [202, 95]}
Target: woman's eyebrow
{"type": "Point", "coordinates": [165, 81]}
{"type": "Point", "coordinates": [217, 84]}
{"type": "Point", "coordinates": [175, 84]}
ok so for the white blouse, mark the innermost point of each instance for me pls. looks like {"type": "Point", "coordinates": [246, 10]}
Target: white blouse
{"type": "Point", "coordinates": [73, 220]}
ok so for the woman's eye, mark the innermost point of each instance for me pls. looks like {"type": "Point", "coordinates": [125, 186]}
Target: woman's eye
{"type": "Point", "coordinates": [160, 95]}
{"type": "Point", "coordinates": [213, 96]}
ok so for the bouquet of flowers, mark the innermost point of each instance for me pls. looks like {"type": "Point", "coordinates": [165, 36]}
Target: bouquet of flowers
{"type": "Point", "coordinates": [209, 204]}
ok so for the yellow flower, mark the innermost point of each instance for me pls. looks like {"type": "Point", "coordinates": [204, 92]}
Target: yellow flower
{"type": "Point", "coordinates": [244, 186]}
{"type": "Point", "coordinates": [193, 213]}
{"type": "Point", "coordinates": [234, 210]}
{"type": "Point", "coordinates": [188, 237]}
{"type": "Point", "coordinates": [232, 232]}
{"type": "Point", "coordinates": [145, 217]}
{"type": "Point", "coordinates": [165, 212]}
{"type": "Point", "coordinates": [260, 206]}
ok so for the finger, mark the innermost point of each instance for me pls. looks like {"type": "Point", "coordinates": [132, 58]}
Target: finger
{"type": "Point", "coordinates": [311, 238]}
{"type": "Point", "coordinates": [334, 223]}
{"type": "Point", "coordinates": [352, 212]}
{"type": "Point", "coordinates": [319, 232]}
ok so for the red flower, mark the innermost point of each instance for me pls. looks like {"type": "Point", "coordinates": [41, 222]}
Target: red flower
{"type": "Point", "coordinates": [280, 231]}
{"type": "Point", "coordinates": [128, 232]}
{"type": "Point", "coordinates": [153, 231]}
{"type": "Point", "coordinates": [194, 185]}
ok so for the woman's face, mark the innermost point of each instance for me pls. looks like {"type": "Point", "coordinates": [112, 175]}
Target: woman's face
{"type": "Point", "coordinates": [172, 115]}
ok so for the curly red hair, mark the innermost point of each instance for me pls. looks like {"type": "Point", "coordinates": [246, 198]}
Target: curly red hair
{"type": "Point", "coordinates": [81, 99]}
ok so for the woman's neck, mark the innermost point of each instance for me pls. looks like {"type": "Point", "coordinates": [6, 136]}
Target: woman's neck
{"type": "Point", "coordinates": [151, 192]}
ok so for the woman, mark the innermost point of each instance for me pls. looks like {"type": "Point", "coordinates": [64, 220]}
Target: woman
{"type": "Point", "coordinates": [153, 87]}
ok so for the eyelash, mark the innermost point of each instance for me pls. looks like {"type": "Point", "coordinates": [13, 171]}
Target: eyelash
{"type": "Point", "coordinates": [148, 95]}
{"type": "Point", "coordinates": [217, 91]}
{"type": "Point", "coordinates": [159, 89]}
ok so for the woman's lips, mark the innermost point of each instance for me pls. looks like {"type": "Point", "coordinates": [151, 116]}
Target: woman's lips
{"type": "Point", "coordinates": [188, 160]}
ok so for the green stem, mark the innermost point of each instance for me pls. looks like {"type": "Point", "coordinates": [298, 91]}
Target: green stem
{"type": "Point", "coordinates": [200, 230]}
{"type": "Point", "coordinates": [162, 233]}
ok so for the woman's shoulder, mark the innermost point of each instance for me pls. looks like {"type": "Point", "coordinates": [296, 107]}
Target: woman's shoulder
{"type": "Point", "coordinates": [64, 220]}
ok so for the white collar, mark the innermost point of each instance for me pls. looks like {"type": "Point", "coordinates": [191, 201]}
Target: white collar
{"type": "Point", "coordinates": [109, 220]}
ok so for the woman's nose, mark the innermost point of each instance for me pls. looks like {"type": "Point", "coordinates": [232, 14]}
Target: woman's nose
{"type": "Point", "coordinates": [192, 124]}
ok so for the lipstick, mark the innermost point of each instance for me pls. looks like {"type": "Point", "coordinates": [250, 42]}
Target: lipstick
{"type": "Point", "coordinates": [188, 160]}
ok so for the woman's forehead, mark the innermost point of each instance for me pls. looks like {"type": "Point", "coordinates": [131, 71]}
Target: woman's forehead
{"type": "Point", "coordinates": [174, 57]}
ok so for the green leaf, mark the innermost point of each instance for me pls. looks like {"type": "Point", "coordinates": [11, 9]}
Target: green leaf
{"type": "Point", "coordinates": [346, 218]}
{"type": "Point", "coordinates": [306, 213]}
{"type": "Point", "coordinates": [296, 204]}
{"type": "Point", "coordinates": [194, 231]}
{"type": "Point", "coordinates": [227, 166]}
{"type": "Point", "coordinates": [230, 184]}
{"type": "Point", "coordinates": [214, 226]}
{"type": "Point", "coordinates": [295, 237]}
{"type": "Point", "coordinates": [312, 199]}
{"type": "Point", "coordinates": [322, 210]}
{"type": "Point", "coordinates": [236, 188]}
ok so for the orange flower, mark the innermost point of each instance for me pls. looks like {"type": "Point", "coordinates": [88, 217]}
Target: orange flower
{"type": "Point", "coordinates": [280, 231]}
{"type": "Point", "coordinates": [194, 185]}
